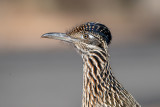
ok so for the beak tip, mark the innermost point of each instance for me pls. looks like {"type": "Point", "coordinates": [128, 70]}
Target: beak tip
{"type": "Point", "coordinates": [43, 36]}
{"type": "Point", "coordinates": [46, 35]}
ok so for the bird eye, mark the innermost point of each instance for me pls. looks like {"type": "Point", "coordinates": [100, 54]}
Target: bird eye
{"type": "Point", "coordinates": [85, 36]}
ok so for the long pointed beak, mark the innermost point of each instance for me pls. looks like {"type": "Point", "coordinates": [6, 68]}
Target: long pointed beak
{"type": "Point", "coordinates": [58, 36]}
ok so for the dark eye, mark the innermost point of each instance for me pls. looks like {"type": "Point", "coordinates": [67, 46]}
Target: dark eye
{"type": "Point", "coordinates": [85, 36]}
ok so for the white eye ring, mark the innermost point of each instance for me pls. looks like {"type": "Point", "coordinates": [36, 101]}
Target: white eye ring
{"type": "Point", "coordinates": [86, 36]}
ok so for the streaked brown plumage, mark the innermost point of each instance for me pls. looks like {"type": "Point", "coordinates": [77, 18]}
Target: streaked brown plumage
{"type": "Point", "coordinates": [100, 87]}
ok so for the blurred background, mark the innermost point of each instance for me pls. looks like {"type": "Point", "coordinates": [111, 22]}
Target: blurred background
{"type": "Point", "coordinates": [36, 72]}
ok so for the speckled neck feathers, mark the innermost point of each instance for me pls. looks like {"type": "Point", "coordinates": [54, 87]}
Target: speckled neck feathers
{"type": "Point", "coordinates": [100, 88]}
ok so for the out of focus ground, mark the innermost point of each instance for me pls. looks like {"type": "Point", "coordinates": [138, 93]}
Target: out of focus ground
{"type": "Point", "coordinates": [37, 72]}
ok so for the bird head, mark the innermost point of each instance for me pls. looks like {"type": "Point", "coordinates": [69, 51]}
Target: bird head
{"type": "Point", "coordinates": [89, 36]}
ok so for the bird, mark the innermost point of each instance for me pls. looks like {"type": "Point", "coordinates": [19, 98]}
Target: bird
{"type": "Point", "coordinates": [100, 87]}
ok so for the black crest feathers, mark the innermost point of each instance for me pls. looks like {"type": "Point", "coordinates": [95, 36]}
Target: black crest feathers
{"type": "Point", "coordinates": [96, 28]}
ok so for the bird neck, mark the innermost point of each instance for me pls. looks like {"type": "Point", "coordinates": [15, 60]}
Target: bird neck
{"type": "Point", "coordinates": [100, 87]}
{"type": "Point", "coordinates": [96, 71]}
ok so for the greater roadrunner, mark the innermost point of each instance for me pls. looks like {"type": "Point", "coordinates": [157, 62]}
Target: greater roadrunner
{"type": "Point", "coordinates": [100, 87]}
